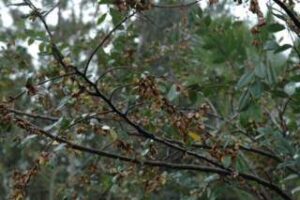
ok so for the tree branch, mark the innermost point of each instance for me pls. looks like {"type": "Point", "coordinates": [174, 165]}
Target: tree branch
{"type": "Point", "coordinates": [288, 12]}
{"type": "Point", "coordinates": [141, 130]}
{"type": "Point", "coordinates": [35, 130]}
{"type": "Point", "coordinates": [44, 117]}
{"type": "Point", "coordinates": [56, 77]}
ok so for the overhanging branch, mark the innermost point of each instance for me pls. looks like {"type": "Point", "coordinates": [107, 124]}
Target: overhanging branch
{"type": "Point", "coordinates": [35, 130]}
{"type": "Point", "coordinates": [289, 12]}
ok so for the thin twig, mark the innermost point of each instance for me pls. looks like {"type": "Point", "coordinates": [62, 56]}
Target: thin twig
{"type": "Point", "coordinates": [44, 117]}
{"type": "Point", "coordinates": [108, 71]}
{"type": "Point", "coordinates": [56, 77]}
{"type": "Point", "coordinates": [11, 99]}
{"type": "Point", "coordinates": [104, 40]}
{"type": "Point", "coordinates": [51, 9]}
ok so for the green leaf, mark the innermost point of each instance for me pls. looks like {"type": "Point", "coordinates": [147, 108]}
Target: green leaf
{"type": "Point", "coordinates": [226, 161]}
{"type": "Point", "coordinates": [279, 16]}
{"type": "Point", "coordinates": [64, 123]}
{"type": "Point", "coordinates": [270, 75]}
{"type": "Point", "coordinates": [263, 132]}
{"type": "Point", "coordinates": [245, 80]}
{"type": "Point", "coordinates": [104, 1]}
{"type": "Point", "coordinates": [295, 78]}
{"type": "Point", "coordinates": [54, 125]}
{"type": "Point", "coordinates": [113, 134]}
{"type": "Point", "coordinates": [207, 20]}
{"type": "Point", "coordinates": [116, 16]}
{"type": "Point", "coordinates": [290, 177]}
{"type": "Point", "coordinates": [253, 113]}
{"type": "Point", "coordinates": [290, 88]}
{"type": "Point", "coordinates": [145, 152]}
{"type": "Point", "coordinates": [173, 93]}
{"type": "Point", "coordinates": [199, 12]}
{"type": "Point", "coordinates": [30, 41]}
{"type": "Point", "coordinates": [244, 100]}
{"type": "Point", "coordinates": [241, 163]}
{"type": "Point", "coordinates": [295, 190]}
{"type": "Point", "coordinates": [279, 93]}
{"type": "Point", "coordinates": [61, 124]}
{"type": "Point", "coordinates": [101, 19]}
{"type": "Point", "coordinates": [271, 45]}
{"type": "Point", "coordinates": [260, 70]}
{"type": "Point", "coordinates": [212, 178]}
{"type": "Point", "coordinates": [193, 96]}
{"type": "Point", "coordinates": [283, 48]}
{"type": "Point", "coordinates": [63, 102]}
{"type": "Point", "coordinates": [41, 47]}
{"type": "Point", "coordinates": [29, 138]}
{"type": "Point", "coordinates": [256, 89]}
{"type": "Point", "coordinates": [284, 146]}
{"type": "Point", "coordinates": [60, 147]}
{"type": "Point", "coordinates": [275, 27]}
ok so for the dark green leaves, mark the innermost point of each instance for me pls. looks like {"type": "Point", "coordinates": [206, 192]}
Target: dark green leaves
{"type": "Point", "coordinates": [270, 75]}
{"type": "Point", "coordinates": [244, 100]}
{"type": "Point", "coordinates": [245, 79]}
{"type": "Point", "coordinates": [104, 1]}
{"type": "Point", "coordinates": [226, 161]}
{"type": "Point", "coordinates": [276, 27]}
{"type": "Point", "coordinates": [256, 89]}
{"type": "Point", "coordinates": [30, 41]}
{"type": "Point", "coordinates": [283, 48]}
{"type": "Point", "coordinates": [101, 19]}
{"type": "Point", "coordinates": [116, 16]}
{"type": "Point", "coordinates": [173, 93]}
{"type": "Point", "coordinates": [272, 45]}
{"type": "Point", "coordinates": [260, 70]}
